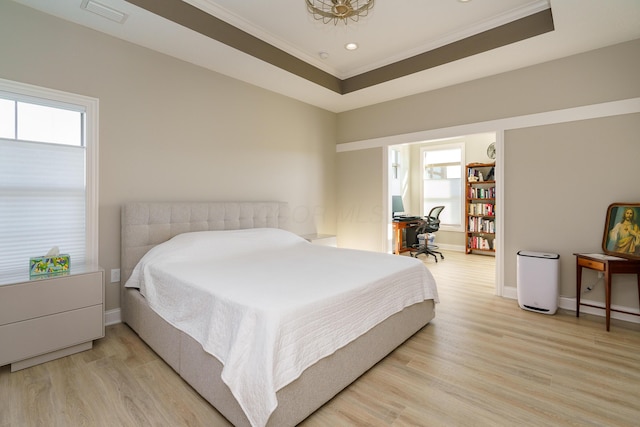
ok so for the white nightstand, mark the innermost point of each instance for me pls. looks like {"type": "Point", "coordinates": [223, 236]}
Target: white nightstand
{"type": "Point", "coordinates": [48, 318]}
{"type": "Point", "coordinates": [321, 239]}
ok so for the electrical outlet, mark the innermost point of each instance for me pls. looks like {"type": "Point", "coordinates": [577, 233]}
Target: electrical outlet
{"type": "Point", "coordinates": [600, 274]}
{"type": "Point", "coordinates": [115, 275]}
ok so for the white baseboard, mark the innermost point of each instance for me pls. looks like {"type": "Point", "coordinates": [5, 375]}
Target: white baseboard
{"type": "Point", "coordinates": [570, 304]}
{"type": "Point", "coordinates": [510, 292]}
{"type": "Point", "coordinates": [448, 247]}
{"type": "Point", "coordinates": [111, 317]}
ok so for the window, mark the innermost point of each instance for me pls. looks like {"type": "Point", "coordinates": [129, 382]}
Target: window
{"type": "Point", "coordinates": [395, 163]}
{"type": "Point", "coordinates": [48, 186]}
{"type": "Point", "coordinates": [442, 183]}
{"type": "Point", "coordinates": [27, 121]}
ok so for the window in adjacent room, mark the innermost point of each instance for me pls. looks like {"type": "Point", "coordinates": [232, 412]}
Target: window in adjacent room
{"type": "Point", "coordinates": [442, 168]}
{"type": "Point", "coordinates": [48, 172]}
{"type": "Point", "coordinates": [395, 163]}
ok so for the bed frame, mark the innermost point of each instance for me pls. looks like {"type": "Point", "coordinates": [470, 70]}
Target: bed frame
{"type": "Point", "coordinates": [145, 225]}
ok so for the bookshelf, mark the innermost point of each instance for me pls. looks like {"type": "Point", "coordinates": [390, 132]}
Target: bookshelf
{"type": "Point", "coordinates": [480, 203]}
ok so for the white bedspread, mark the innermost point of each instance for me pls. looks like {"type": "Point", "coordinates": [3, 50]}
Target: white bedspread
{"type": "Point", "coordinates": [268, 304]}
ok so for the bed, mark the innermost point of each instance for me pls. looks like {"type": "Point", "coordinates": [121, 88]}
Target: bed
{"type": "Point", "coordinates": [275, 382]}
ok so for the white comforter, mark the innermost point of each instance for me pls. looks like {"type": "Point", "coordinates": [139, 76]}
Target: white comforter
{"type": "Point", "coordinates": [268, 304]}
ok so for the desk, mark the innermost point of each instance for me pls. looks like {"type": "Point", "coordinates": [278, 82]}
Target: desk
{"type": "Point", "coordinates": [399, 228]}
{"type": "Point", "coordinates": [609, 266]}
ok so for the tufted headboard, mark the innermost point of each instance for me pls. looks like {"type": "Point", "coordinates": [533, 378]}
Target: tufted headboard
{"type": "Point", "coordinates": [144, 225]}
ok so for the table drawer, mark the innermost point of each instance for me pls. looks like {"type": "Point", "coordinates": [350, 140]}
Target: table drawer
{"type": "Point", "coordinates": [594, 265]}
{"type": "Point", "coordinates": [37, 298]}
{"type": "Point", "coordinates": [34, 337]}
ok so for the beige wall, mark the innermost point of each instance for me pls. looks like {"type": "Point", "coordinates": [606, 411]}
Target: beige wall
{"type": "Point", "coordinates": [360, 196]}
{"type": "Point", "coordinates": [559, 181]}
{"type": "Point", "coordinates": [603, 75]}
{"type": "Point", "coordinates": [170, 130]}
{"type": "Point", "coordinates": [564, 203]}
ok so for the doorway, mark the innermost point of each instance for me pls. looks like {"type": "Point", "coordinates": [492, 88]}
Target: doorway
{"type": "Point", "coordinates": [408, 177]}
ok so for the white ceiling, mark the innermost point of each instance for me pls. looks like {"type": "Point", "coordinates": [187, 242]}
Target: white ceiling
{"type": "Point", "coordinates": [393, 30]}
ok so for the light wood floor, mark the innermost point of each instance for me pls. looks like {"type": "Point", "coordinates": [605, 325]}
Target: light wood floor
{"type": "Point", "coordinates": [481, 362]}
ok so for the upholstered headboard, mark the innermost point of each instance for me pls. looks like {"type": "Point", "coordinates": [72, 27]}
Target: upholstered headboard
{"type": "Point", "coordinates": [145, 225]}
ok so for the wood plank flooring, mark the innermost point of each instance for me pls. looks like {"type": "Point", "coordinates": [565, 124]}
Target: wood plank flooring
{"type": "Point", "coordinates": [481, 362]}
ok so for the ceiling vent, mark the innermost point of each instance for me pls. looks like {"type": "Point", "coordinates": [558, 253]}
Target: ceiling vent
{"type": "Point", "coordinates": [104, 11]}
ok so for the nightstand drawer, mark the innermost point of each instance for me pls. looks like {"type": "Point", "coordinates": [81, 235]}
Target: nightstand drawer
{"type": "Point", "coordinates": [594, 265]}
{"type": "Point", "coordinates": [34, 337]}
{"type": "Point", "coordinates": [36, 298]}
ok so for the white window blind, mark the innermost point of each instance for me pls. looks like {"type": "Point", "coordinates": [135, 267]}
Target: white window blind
{"type": "Point", "coordinates": [44, 170]}
{"type": "Point", "coordinates": [42, 202]}
{"type": "Point", "coordinates": [442, 182]}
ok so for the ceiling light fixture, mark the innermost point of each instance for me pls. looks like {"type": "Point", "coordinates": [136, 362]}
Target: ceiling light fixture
{"type": "Point", "coordinates": [338, 10]}
{"type": "Point", "coordinates": [351, 46]}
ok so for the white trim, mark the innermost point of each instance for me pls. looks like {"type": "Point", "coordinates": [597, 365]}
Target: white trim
{"type": "Point", "coordinates": [605, 109]}
{"type": "Point", "coordinates": [499, 211]}
{"type": "Point", "coordinates": [111, 317]}
{"type": "Point", "coordinates": [90, 106]}
{"type": "Point", "coordinates": [567, 303]}
{"type": "Point", "coordinates": [450, 247]}
{"type": "Point", "coordinates": [93, 151]}
{"type": "Point", "coordinates": [510, 292]}
{"type": "Point", "coordinates": [386, 206]}
{"type": "Point", "coordinates": [570, 304]}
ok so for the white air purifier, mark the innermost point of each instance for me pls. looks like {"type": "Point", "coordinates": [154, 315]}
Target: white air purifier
{"type": "Point", "coordinates": [537, 282]}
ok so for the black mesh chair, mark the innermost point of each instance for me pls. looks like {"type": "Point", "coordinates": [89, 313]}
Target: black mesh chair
{"type": "Point", "coordinates": [430, 224]}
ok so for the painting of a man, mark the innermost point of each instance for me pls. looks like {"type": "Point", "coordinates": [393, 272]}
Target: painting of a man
{"type": "Point", "coordinates": [624, 232]}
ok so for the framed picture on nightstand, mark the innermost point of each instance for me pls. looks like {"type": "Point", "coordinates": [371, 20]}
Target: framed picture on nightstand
{"type": "Point", "coordinates": [622, 232]}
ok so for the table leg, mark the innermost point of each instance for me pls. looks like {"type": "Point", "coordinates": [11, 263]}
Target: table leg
{"type": "Point", "coordinates": [607, 297]}
{"type": "Point", "coordinates": [578, 287]}
{"type": "Point", "coordinates": [638, 276]}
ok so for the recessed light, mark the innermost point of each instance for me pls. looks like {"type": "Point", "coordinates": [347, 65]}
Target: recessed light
{"type": "Point", "coordinates": [351, 46]}
{"type": "Point", "coordinates": [323, 55]}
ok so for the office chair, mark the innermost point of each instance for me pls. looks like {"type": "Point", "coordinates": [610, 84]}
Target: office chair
{"type": "Point", "coordinates": [430, 224]}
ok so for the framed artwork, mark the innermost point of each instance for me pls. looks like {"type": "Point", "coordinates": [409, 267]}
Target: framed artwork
{"type": "Point", "coordinates": [622, 230]}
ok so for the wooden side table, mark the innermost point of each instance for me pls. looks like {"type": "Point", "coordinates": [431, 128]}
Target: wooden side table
{"type": "Point", "coordinates": [609, 265]}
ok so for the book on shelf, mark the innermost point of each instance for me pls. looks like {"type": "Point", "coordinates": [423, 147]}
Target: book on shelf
{"type": "Point", "coordinates": [485, 209]}
{"type": "Point", "coordinates": [482, 243]}
{"type": "Point", "coordinates": [481, 225]}
{"type": "Point", "coordinates": [482, 193]}
{"type": "Point", "coordinates": [480, 172]}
